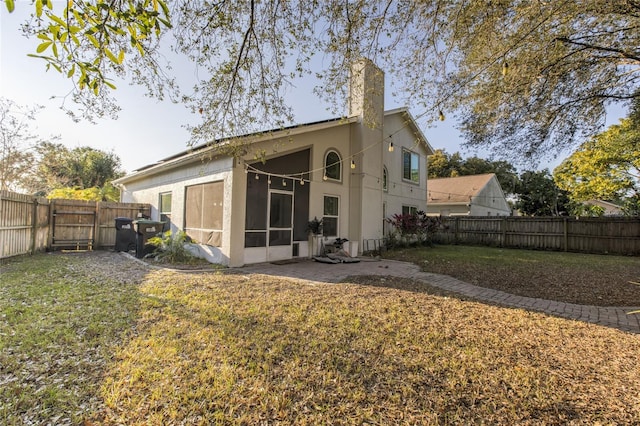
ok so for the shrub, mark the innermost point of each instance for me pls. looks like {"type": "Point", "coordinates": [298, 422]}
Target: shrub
{"type": "Point", "coordinates": [413, 229]}
{"type": "Point", "coordinates": [171, 248]}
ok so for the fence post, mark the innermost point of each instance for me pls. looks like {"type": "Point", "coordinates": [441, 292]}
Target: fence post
{"type": "Point", "coordinates": [455, 231]}
{"type": "Point", "coordinates": [52, 206]}
{"type": "Point", "coordinates": [34, 225]}
{"type": "Point", "coordinates": [565, 224]}
{"type": "Point", "coordinates": [96, 226]}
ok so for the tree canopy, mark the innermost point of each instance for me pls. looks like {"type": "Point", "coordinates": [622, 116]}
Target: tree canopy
{"type": "Point", "coordinates": [607, 166]}
{"type": "Point", "coordinates": [538, 195]}
{"type": "Point", "coordinates": [522, 76]}
{"type": "Point", "coordinates": [82, 173]}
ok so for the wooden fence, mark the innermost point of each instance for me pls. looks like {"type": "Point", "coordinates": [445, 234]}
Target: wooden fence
{"type": "Point", "coordinates": [30, 224]}
{"type": "Point", "coordinates": [614, 235]}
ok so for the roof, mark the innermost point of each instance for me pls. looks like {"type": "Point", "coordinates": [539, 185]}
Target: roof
{"type": "Point", "coordinates": [414, 127]}
{"type": "Point", "coordinates": [604, 203]}
{"type": "Point", "coordinates": [459, 189]}
{"type": "Point", "coordinates": [195, 153]}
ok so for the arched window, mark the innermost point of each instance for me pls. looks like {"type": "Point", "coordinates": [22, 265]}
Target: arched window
{"type": "Point", "coordinates": [333, 165]}
{"type": "Point", "coordinates": [385, 178]}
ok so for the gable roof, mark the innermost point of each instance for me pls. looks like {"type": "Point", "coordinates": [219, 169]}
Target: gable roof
{"type": "Point", "coordinates": [413, 125]}
{"type": "Point", "coordinates": [459, 189]}
{"type": "Point", "coordinates": [195, 153]}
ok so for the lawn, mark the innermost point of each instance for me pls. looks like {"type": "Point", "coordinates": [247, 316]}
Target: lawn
{"type": "Point", "coordinates": [584, 279]}
{"type": "Point", "coordinates": [97, 339]}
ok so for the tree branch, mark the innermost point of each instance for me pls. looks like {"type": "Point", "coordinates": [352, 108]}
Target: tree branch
{"type": "Point", "coordinates": [621, 52]}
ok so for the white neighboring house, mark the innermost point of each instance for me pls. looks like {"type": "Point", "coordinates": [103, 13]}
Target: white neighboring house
{"type": "Point", "coordinates": [609, 209]}
{"type": "Point", "coordinates": [474, 195]}
{"type": "Point", "coordinates": [352, 172]}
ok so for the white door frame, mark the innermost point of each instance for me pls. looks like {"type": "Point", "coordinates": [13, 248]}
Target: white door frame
{"type": "Point", "coordinates": [283, 252]}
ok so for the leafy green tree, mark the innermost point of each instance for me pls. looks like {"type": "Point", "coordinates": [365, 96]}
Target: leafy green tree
{"type": "Point", "coordinates": [16, 140]}
{"type": "Point", "coordinates": [443, 164]}
{"type": "Point", "coordinates": [526, 77]}
{"type": "Point", "coordinates": [606, 167]}
{"type": "Point", "coordinates": [80, 173]}
{"type": "Point", "coordinates": [108, 192]}
{"type": "Point", "coordinates": [538, 195]}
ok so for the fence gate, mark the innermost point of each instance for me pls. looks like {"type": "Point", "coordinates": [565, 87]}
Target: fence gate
{"type": "Point", "coordinates": [73, 224]}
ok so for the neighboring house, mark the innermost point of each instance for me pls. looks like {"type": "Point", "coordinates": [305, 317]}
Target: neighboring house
{"type": "Point", "coordinates": [609, 209]}
{"type": "Point", "coordinates": [475, 195]}
{"type": "Point", "coordinates": [352, 172]}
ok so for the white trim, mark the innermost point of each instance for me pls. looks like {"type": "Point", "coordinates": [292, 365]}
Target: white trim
{"type": "Point", "coordinates": [340, 164]}
{"type": "Point", "coordinates": [411, 181]}
{"type": "Point", "coordinates": [337, 217]}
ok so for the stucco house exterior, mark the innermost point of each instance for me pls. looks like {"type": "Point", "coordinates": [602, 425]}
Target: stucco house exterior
{"type": "Point", "coordinates": [475, 195]}
{"type": "Point", "coordinates": [352, 172]}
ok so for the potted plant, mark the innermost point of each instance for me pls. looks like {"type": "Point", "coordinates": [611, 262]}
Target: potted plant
{"type": "Point", "coordinates": [314, 229]}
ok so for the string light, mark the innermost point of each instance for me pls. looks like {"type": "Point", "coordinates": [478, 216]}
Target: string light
{"type": "Point", "coordinates": [284, 182]}
{"type": "Point", "coordinates": [257, 177]}
{"type": "Point", "coordinates": [505, 69]}
{"type": "Point", "coordinates": [341, 161]}
{"type": "Point", "coordinates": [441, 117]}
{"type": "Point", "coordinates": [301, 182]}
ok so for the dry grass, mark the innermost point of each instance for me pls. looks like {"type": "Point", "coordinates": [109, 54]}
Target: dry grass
{"type": "Point", "coordinates": [227, 349]}
{"type": "Point", "coordinates": [584, 279]}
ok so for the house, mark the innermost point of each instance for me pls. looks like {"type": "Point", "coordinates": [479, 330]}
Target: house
{"type": "Point", "coordinates": [474, 195]}
{"type": "Point", "coordinates": [352, 172]}
{"type": "Point", "coordinates": [607, 208]}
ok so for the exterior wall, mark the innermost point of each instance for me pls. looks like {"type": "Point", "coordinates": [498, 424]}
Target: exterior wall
{"type": "Point", "coordinates": [490, 201]}
{"type": "Point", "coordinates": [148, 190]}
{"type": "Point", "coordinates": [365, 181]}
{"type": "Point", "coordinates": [447, 209]}
{"type": "Point", "coordinates": [401, 192]}
{"type": "Point", "coordinates": [319, 142]}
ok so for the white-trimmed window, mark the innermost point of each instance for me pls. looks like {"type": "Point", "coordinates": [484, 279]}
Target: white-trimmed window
{"type": "Point", "coordinates": [164, 206]}
{"type": "Point", "coordinates": [409, 210]}
{"type": "Point", "coordinates": [333, 165]}
{"type": "Point", "coordinates": [331, 216]}
{"type": "Point", "coordinates": [385, 179]}
{"type": "Point", "coordinates": [410, 166]}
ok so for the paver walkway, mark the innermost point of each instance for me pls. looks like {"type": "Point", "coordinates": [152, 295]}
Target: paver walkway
{"type": "Point", "coordinates": [615, 317]}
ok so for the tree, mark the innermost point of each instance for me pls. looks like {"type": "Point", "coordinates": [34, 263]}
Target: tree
{"type": "Point", "coordinates": [108, 192]}
{"type": "Point", "coordinates": [81, 173]}
{"type": "Point", "coordinates": [606, 167]}
{"type": "Point", "coordinates": [538, 195]}
{"type": "Point", "coordinates": [16, 141]}
{"type": "Point", "coordinates": [442, 164]}
{"type": "Point", "coordinates": [531, 77]}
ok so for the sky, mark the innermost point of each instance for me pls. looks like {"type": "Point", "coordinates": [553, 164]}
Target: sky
{"type": "Point", "coordinates": [146, 130]}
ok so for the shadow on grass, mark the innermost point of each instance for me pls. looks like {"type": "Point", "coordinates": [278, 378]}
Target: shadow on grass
{"type": "Point", "coordinates": [62, 316]}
